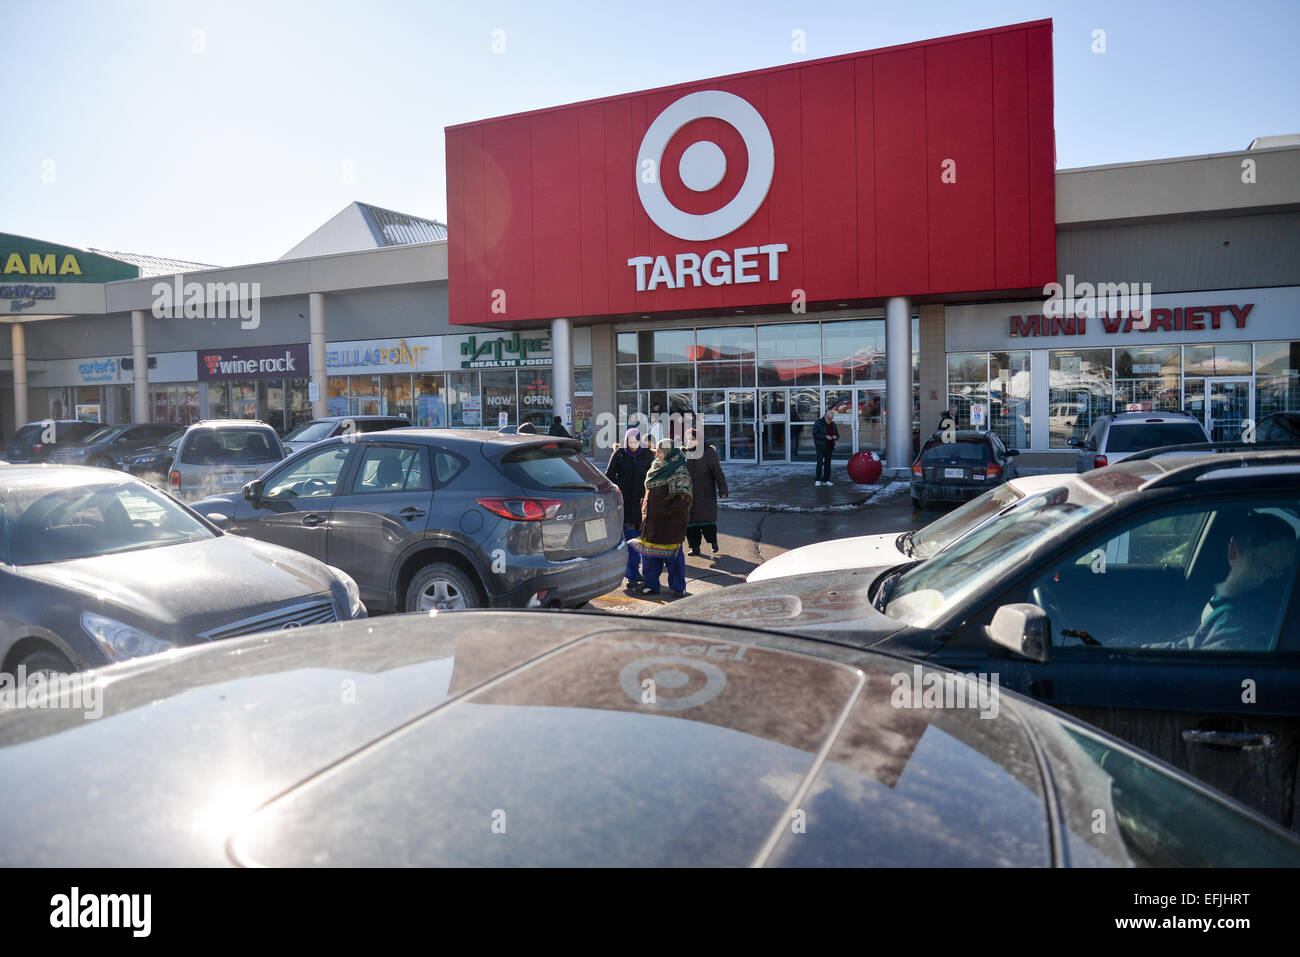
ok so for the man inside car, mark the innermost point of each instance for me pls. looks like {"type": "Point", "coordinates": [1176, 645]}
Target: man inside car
{"type": "Point", "coordinates": [1241, 615]}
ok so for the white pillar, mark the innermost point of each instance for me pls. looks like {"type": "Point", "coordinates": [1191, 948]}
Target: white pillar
{"type": "Point", "coordinates": [898, 382]}
{"type": "Point", "coordinates": [140, 374]}
{"type": "Point", "coordinates": [562, 370]}
{"type": "Point", "coordinates": [19, 337]}
{"type": "Point", "coordinates": [316, 311]}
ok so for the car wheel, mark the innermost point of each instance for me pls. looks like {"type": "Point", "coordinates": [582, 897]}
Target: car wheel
{"type": "Point", "coordinates": [103, 463]}
{"type": "Point", "coordinates": [45, 661]}
{"type": "Point", "coordinates": [441, 587]}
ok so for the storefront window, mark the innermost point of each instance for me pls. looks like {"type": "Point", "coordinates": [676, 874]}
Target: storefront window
{"type": "Point", "coordinates": [626, 346]}
{"type": "Point", "coordinates": [337, 390]}
{"type": "Point", "coordinates": [1277, 378]}
{"type": "Point", "coordinates": [366, 395]}
{"type": "Point", "coordinates": [243, 400]}
{"type": "Point", "coordinates": [727, 342]}
{"type": "Point", "coordinates": [666, 345]}
{"type": "Point", "coordinates": [625, 378]}
{"type": "Point", "coordinates": [270, 406]}
{"type": "Point", "coordinates": [725, 375]}
{"type": "Point", "coordinates": [582, 380]}
{"type": "Point", "coordinates": [430, 401]}
{"type": "Point", "coordinates": [1080, 390]}
{"type": "Point", "coordinates": [967, 384]}
{"type": "Point", "coordinates": [499, 396]}
{"type": "Point", "coordinates": [796, 340]}
{"type": "Point", "coordinates": [299, 408]}
{"type": "Point", "coordinates": [535, 397]}
{"type": "Point", "coordinates": [1225, 358]}
{"type": "Point", "coordinates": [675, 376]}
{"type": "Point", "coordinates": [1008, 413]}
{"type": "Point", "coordinates": [1148, 377]}
{"type": "Point", "coordinates": [219, 400]}
{"type": "Point", "coordinates": [464, 403]}
{"type": "Point", "coordinates": [397, 395]}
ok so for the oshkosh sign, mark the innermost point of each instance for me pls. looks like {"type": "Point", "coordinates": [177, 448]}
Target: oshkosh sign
{"type": "Point", "coordinates": [922, 169]}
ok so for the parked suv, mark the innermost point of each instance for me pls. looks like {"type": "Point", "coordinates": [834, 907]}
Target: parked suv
{"type": "Point", "coordinates": [962, 469]}
{"type": "Point", "coordinates": [433, 519]}
{"type": "Point", "coordinates": [222, 454]}
{"type": "Point", "coordinates": [317, 430]}
{"type": "Point", "coordinates": [1156, 599]}
{"type": "Point", "coordinates": [1116, 435]}
{"type": "Point", "coordinates": [28, 443]}
{"type": "Point", "coordinates": [108, 446]}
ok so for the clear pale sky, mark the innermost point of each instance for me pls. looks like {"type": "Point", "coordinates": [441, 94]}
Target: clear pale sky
{"type": "Point", "coordinates": [230, 145]}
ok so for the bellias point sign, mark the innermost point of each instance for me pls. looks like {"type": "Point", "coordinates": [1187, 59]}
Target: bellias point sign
{"type": "Point", "coordinates": [924, 169]}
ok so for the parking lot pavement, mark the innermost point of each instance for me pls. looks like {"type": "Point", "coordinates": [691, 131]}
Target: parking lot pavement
{"type": "Point", "coordinates": [749, 538]}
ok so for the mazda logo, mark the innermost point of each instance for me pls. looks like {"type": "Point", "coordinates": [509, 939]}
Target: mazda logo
{"type": "Point", "coordinates": [600, 506]}
{"type": "Point", "coordinates": [290, 624]}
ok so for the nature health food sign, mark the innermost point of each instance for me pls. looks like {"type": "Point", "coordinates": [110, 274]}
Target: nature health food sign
{"type": "Point", "coordinates": [924, 169]}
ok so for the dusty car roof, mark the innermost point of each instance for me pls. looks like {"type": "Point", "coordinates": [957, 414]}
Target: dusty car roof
{"type": "Point", "coordinates": [397, 741]}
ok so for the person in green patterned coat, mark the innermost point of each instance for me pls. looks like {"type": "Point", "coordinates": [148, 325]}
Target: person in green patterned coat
{"type": "Point", "coordinates": [665, 512]}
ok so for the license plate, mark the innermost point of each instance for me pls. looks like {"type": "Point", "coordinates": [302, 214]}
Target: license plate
{"type": "Point", "coordinates": [596, 530]}
{"type": "Point", "coordinates": [231, 480]}
{"type": "Point", "coordinates": [954, 473]}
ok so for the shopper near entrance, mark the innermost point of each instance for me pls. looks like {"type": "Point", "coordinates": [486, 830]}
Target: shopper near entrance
{"type": "Point", "coordinates": [708, 484]}
{"type": "Point", "coordinates": [825, 435]}
{"type": "Point", "coordinates": [665, 514]}
{"type": "Point", "coordinates": [558, 429]}
{"type": "Point", "coordinates": [627, 469]}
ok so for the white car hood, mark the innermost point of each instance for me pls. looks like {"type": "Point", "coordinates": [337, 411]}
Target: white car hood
{"type": "Point", "coordinates": [839, 553]}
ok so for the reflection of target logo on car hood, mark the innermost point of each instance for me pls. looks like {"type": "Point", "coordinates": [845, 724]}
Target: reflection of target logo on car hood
{"type": "Point", "coordinates": [703, 165]}
{"type": "Point", "coordinates": [671, 673]}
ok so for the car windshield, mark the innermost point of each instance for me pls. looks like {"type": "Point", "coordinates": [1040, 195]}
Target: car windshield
{"type": "Point", "coordinates": [942, 531]}
{"type": "Point", "coordinates": [923, 593]}
{"type": "Point", "coordinates": [961, 451]}
{"type": "Point", "coordinates": [45, 521]}
{"type": "Point", "coordinates": [101, 434]}
{"type": "Point", "coordinates": [1137, 438]}
{"type": "Point", "coordinates": [310, 432]}
{"type": "Point", "coordinates": [231, 446]}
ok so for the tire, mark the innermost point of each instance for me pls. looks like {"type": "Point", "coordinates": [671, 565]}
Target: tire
{"type": "Point", "coordinates": [457, 589]}
{"type": "Point", "coordinates": [103, 463]}
{"type": "Point", "coordinates": [44, 660]}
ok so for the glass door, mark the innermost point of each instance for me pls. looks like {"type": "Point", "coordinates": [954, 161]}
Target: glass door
{"type": "Point", "coordinates": [840, 403]}
{"type": "Point", "coordinates": [1230, 404]}
{"type": "Point", "coordinates": [741, 446]}
{"type": "Point", "coordinates": [870, 404]}
{"type": "Point", "coordinates": [804, 409]}
{"type": "Point", "coordinates": [772, 406]}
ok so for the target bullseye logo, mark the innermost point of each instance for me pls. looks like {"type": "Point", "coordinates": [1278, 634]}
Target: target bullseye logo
{"type": "Point", "coordinates": [704, 164]}
{"type": "Point", "coordinates": [672, 672]}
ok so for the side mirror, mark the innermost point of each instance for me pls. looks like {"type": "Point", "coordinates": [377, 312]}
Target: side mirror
{"type": "Point", "coordinates": [253, 492]}
{"type": "Point", "coordinates": [1023, 629]}
{"type": "Point", "coordinates": [1013, 451]}
{"type": "Point", "coordinates": [1072, 443]}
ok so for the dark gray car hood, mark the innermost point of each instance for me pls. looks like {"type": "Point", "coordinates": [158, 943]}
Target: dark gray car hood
{"type": "Point", "coordinates": [177, 591]}
{"type": "Point", "coordinates": [515, 739]}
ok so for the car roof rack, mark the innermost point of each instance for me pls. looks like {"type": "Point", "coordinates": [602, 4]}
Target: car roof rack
{"type": "Point", "coordinates": [1226, 446]}
{"type": "Point", "coordinates": [1194, 470]}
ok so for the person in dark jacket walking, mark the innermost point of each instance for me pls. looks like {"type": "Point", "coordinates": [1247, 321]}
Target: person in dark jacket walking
{"type": "Point", "coordinates": [557, 428]}
{"type": "Point", "coordinates": [825, 435]}
{"type": "Point", "coordinates": [664, 515]}
{"type": "Point", "coordinates": [627, 469]}
{"type": "Point", "coordinates": [708, 484]}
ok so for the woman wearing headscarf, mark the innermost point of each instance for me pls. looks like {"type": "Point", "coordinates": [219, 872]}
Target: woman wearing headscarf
{"type": "Point", "coordinates": [627, 469]}
{"type": "Point", "coordinates": [664, 514]}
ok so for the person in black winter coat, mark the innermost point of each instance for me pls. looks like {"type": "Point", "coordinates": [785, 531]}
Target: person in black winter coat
{"type": "Point", "coordinates": [557, 428]}
{"type": "Point", "coordinates": [825, 435]}
{"type": "Point", "coordinates": [627, 469]}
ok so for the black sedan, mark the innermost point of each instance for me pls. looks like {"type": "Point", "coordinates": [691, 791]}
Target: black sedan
{"type": "Point", "coordinates": [960, 465]}
{"type": "Point", "coordinates": [1156, 599]}
{"type": "Point", "coordinates": [440, 519]}
{"type": "Point", "coordinates": [504, 739]}
{"type": "Point", "coordinates": [107, 447]}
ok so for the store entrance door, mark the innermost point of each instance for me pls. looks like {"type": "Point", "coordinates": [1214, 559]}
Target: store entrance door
{"type": "Point", "coordinates": [773, 444]}
{"type": "Point", "coordinates": [741, 445]}
{"type": "Point", "coordinates": [1231, 403]}
{"type": "Point", "coordinates": [870, 404]}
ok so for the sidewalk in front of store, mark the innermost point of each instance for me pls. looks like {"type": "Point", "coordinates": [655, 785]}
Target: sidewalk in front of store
{"type": "Point", "coordinates": [790, 488]}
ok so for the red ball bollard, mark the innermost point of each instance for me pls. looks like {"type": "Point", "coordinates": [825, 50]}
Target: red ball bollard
{"type": "Point", "coordinates": [865, 468]}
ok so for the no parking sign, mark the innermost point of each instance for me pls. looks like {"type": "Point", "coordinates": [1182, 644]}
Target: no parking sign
{"type": "Point", "coordinates": [976, 414]}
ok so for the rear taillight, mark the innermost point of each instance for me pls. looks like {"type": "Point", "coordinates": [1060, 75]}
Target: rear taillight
{"type": "Point", "coordinates": [992, 470]}
{"type": "Point", "coordinates": [521, 509]}
{"type": "Point", "coordinates": [1099, 461]}
{"type": "Point", "coordinates": [37, 450]}
{"type": "Point", "coordinates": [917, 470]}
{"type": "Point", "coordinates": [176, 480]}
